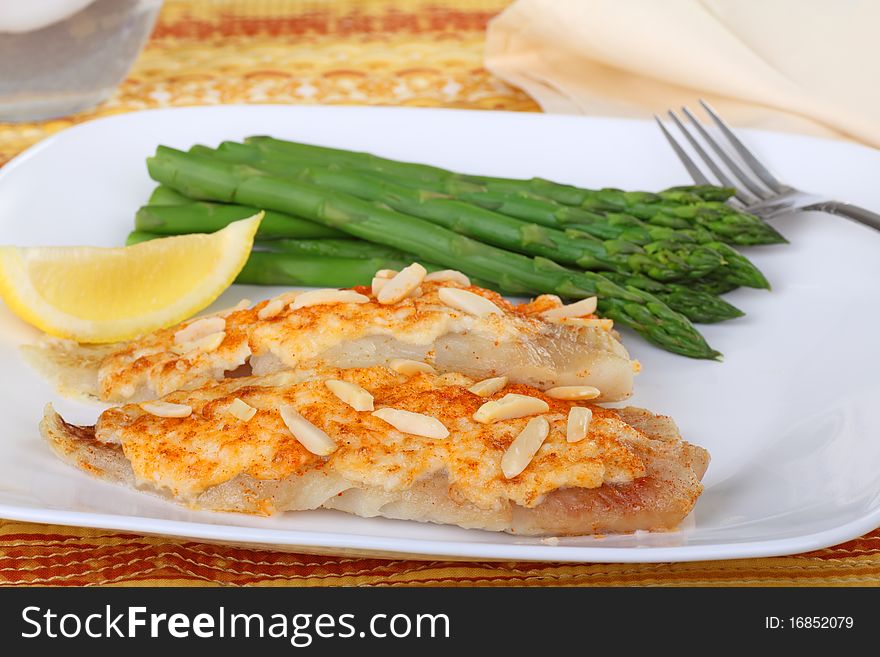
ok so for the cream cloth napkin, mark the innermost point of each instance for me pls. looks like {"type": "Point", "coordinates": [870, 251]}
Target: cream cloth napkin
{"type": "Point", "coordinates": [809, 66]}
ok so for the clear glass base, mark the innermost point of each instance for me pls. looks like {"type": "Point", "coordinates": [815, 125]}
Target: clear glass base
{"type": "Point", "coordinates": [74, 63]}
{"type": "Point", "coordinates": [40, 108]}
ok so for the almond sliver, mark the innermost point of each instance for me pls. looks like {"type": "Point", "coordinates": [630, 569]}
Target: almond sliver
{"type": "Point", "coordinates": [166, 409]}
{"type": "Point", "coordinates": [587, 322]}
{"type": "Point", "coordinates": [468, 302]}
{"type": "Point", "coordinates": [307, 434]}
{"type": "Point", "coordinates": [351, 394]}
{"type": "Point", "coordinates": [524, 447]}
{"type": "Point", "coordinates": [573, 392]}
{"type": "Point", "coordinates": [577, 309]}
{"type": "Point", "coordinates": [327, 297]}
{"type": "Point", "coordinates": [210, 342]}
{"type": "Point", "coordinates": [509, 407]}
{"type": "Point", "coordinates": [448, 276]}
{"type": "Point", "coordinates": [404, 283]}
{"type": "Point", "coordinates": [488, 387]}
{"type": "Point", "coordinates": [578, 424]}
{"type": "Point", "coordinates": [410, 367]}
{"type": "Point", "coordinates": [377, 284]}
{"type": "Point", "coordinates": [206, 344]}
{"type": "Point", "coordinates": [416, 424]}
{"type": "Point", "coordinates": [241, 410]}
{"type": "Point", "coordinates": [199, 329]}
{"type": "Point", "coordinates": [271, 309]}
{"type": "Point", "coordinates": [241, 305]}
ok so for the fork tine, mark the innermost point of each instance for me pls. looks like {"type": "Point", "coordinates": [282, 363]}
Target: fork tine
{"type": "Point", "coordinates": [759, 169]}
{"type": "Point", "coordinates": [732, 166]}
{"type": "Point", "coordinates": [698, 176]}
{"type": "Point", "coordinates": [713, 166]}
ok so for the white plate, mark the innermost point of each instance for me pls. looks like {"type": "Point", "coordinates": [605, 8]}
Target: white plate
{"type": "Point", "coordinates": [790, 417]}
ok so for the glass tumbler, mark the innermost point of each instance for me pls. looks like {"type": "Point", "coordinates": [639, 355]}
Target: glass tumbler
{"type": "Point", "coordinates": [58, 57]}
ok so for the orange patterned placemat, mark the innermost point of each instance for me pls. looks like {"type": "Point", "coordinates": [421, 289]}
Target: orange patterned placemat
{"type": "Point", "coordinates": [45, 555]}
{"type": "Point", "coordinates": [417, 53]}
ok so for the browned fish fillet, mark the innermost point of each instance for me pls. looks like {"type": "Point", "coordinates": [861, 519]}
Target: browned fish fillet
{"type": "Point", "coordinates": [517, 342]}
{"type": "Point", "coordinates": [632, 471]}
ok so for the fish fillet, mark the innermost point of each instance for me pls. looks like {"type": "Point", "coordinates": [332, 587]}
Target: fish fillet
{"type": "Point", "coordinates": [631, 472]}
{"type": "Point", "coordinates": [517, 343]}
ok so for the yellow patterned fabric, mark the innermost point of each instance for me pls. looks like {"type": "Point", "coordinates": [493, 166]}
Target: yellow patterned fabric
{"type": "Point", "coordinates": [416, 53]}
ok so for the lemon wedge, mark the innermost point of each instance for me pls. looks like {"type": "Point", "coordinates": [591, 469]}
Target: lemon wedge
{"type": "Point", "coordinates": [98, 294]}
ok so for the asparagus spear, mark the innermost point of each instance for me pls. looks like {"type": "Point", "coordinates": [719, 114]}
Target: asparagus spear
{"type": "Point", "coordinates": [264, 268]}
{"type": "Point", "coordinates": [667, 255]}
{"type": "Point", "coordinates": [208, 178]}
{"type": "Point", "coordinates": [697, 306]}
{"type": "Point", "coordinates": [704, 220]}
{"type": "Point", "coordinates": [727, 224]}
{"type": "Point", "coordinates": [138, 236]}
{"type": "Point", "coordinates": [288, 255]}
{"type": "Point", "coordinates": [330, 247]}
{"type": "Point", "coordinates": [736, 269]}
{"type": "Point", "coordinates": [202, 217]}
{"type": "Point", "coordinates": [673, 209]}
{"type": "Point", "coordinates": [302, 268]}
{"type": "Point", "coordinates": [678, 250]}
{"type": "Point", "coordinates": [704, 192]}
{"type": "Point", "coordinates": [665, 261]}
{"type": "Point", "coordinates": [603, 225]}
{"type": "Point", "coordinates": [550, 213]}
{"type": "Point", "coordinates": [546, 212]}
{"type": "Point", "coordinates": [520, 206]}
{"type": "Point", "coordinates": [567, 194]}
{"type": "Point", "coordinates": [166, 196]}
{"type": "Point", "coordinates": [663, 208]}
{"type": "Point", "coordinates": [335, 248]}
{"type": "Point", "coordinates": [711, 285]}
{"type": "Point", "coordinates": [693, 250]}
{"type": "Point", "coordinates": [329, 263]}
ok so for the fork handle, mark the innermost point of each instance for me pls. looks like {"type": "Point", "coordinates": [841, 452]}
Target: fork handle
{"type": "Point", "coordinates": [850, 211]}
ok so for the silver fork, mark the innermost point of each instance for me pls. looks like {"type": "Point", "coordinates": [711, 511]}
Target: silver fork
{"type": "Point", "coordinates": [757, 190]}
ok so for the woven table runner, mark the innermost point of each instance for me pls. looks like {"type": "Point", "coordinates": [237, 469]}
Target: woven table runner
{"type": "Point", "coordinates": [414, 53]}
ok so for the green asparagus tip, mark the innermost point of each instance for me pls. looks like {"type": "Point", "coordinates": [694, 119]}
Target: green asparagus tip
{"type": "Point", "coordinates": [773, 236]}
